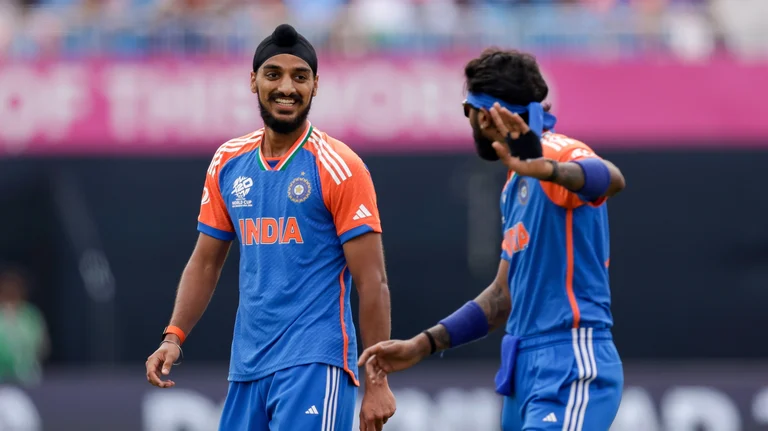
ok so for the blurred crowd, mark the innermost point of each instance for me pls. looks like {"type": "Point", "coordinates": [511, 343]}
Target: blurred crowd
{"type": "Point", "coordinates": [693, 29]}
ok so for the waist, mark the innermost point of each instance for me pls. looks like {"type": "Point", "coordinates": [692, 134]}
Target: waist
{"type": "Point", "coordinates": [575, 335]}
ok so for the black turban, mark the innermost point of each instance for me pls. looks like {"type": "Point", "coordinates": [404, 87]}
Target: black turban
{"type": "Point", "coordinates": [285, 40]}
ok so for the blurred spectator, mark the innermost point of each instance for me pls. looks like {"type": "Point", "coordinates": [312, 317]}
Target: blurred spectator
{"type": "Point", "coordinates": [24, 342]}
{"type": "Point", "coordinates": [743, 24]}
{"type": "Point", "coordinates": [689, 29]}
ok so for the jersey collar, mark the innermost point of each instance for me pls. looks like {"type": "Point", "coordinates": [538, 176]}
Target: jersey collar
{"type": "Point", "coordinates": [288, 156]}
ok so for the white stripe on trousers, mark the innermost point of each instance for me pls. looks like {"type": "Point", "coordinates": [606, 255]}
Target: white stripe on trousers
{"type": "Point", "coordinates": [331, 401]}
{"type": "Point", "coordinates": [578, 398]}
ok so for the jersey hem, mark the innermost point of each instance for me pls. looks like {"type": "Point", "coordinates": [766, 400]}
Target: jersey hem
{"type": "Point", "coordinates": [249, 377]}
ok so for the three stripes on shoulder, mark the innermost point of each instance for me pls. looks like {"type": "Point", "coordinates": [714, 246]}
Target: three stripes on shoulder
{"type": "Point", "coordinates": [330, 159]}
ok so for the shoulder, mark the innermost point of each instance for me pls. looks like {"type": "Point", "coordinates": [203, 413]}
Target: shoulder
{"type": "Point", "coordinates": [233, 148]}
{"type": "Point", "coordinates": [335, 157]}
{"type": "Point", "coordinates": [564, 148]}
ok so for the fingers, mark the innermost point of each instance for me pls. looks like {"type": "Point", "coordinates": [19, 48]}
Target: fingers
{"type": "Point", "coordinates": [153, 372]}
{"type": "Point", "coordinates": [378, 349]}
{"type": "Point", "coordinates": [502, 151]}
{"type": "Point", "coordinates": [507, 122]}
{"type": "Point", "coordinates": [367, 423]}
{"type": "Point", "coordinates": [152, 368]}
{"type": "Point", "coordinates": [376, 370]}
{"type": "Point", "coordinates": [367, 353]}
{"type": "Point", "coordinates": [498, 121]}
{"type": "Point", "coordinates": [371, 423]}
{"type": "Point", "coordinates": [512, 163]}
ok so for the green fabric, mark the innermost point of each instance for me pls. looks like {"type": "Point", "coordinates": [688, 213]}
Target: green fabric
{"type": "Point", "coordinates": [22, 333]}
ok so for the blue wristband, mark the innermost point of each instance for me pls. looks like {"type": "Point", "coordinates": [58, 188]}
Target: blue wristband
{"type": "Point", "coordinates": [597, 178]}
{"type": "Point", "coordinates": [466, 324]}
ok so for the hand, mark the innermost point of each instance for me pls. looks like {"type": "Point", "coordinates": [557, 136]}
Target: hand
{"type": "Point", "coordinates": [510, 123]}
{"type": "Point", "coordinates": [540, 168]}
{"type": "Point", "coordinates": [395, 355]}
{"type": "Point", "coordinates": [378, 402]}
{"type": "Point", "coordinates": [165, 356]}
{"type": "Point", "coordinates": [507, 122]}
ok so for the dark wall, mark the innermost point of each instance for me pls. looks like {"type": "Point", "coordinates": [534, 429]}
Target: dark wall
{"type": "Point", "coordinates": [689, 264]}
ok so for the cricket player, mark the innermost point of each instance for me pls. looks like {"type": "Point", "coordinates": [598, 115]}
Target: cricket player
{"type": "Point", "coordinates": [303, 208]}
{"type": "Point", "coordinates": [559, 367]}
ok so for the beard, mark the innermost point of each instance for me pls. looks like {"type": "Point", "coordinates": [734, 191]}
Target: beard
{"type": "Point", "coordinates": [282, 126]}
{"type": "Point", "coordinates": [484, 146]}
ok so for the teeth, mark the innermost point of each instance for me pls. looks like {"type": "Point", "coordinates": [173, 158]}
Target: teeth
{"type": "Point", "coordinates": [285, 101]}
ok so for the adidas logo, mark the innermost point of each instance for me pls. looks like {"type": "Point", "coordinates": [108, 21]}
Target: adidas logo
{"type": "Point", "coordinates": [550, 418]}
{"type": "Point", "coordinates": [311, 411]}
{"type": "Point", "coordinates": [362, 213]}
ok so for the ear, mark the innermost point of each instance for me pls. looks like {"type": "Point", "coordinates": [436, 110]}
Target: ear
{"type": "Point", "coordinates": [487, 126]}
{"type": "Point", "coordinates": [254, 88]}
{"type": "Point", "coordinates": [484, 120]}
{"type": "Point", "coordinates": [314, 88]}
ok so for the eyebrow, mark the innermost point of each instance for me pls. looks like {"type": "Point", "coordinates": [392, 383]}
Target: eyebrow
{"type": "Point", "coordinates": [295, 69]}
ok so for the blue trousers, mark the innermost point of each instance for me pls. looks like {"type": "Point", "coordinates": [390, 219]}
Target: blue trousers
{"type": "Point", "coordinates": [567, 381]}
{"type": "Point", "coordinates": [307, 397]}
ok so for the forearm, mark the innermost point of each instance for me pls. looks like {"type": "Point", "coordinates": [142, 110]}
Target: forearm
{"type": "Point", "coordinates": [198, 282]}
{"type": "Point", "coordinates": [374, 313]}
{"type": "Point", "coordinates": [496, 305]}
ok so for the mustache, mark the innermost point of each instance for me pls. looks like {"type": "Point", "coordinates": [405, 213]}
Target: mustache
{"type": "Point", "coordinates": [296, 97]}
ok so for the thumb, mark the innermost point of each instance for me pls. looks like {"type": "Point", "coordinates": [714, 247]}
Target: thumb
{"type": "Point", "coordinates": [502, 151]}
{"type": "Point", "coordinates": [367, 353]}
{"type": "Point", "coordinates": [167, 364]}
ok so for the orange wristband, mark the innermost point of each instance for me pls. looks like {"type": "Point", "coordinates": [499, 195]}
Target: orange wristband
{"type": "Point", "coordinates": [175, 330]}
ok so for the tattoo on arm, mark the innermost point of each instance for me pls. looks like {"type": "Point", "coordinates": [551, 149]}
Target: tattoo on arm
{"type": "Point", "coordinates": [441, 336]}
{"type": "Point", "coordinates": [570, 175]}
{"type": "Point", "coordinates": [496, 303]}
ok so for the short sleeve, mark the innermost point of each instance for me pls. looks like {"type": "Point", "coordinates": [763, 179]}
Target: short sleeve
{"type": "Point", "coordinates": [506, 249]}
{"type": "Point", "coordinates": [565, 150]}
{"type": "Point", "coordinates": [213, 219]}
{"type": "Point", "coordinates": [350, 196]}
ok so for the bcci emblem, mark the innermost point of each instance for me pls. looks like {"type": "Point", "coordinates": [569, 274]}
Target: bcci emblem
{"type": "Point", "coordinates": [522, 191]}
{"type": "Point", "coordinates": [299, 190]}
{"type": "Point", "coordinates": [241, 188]}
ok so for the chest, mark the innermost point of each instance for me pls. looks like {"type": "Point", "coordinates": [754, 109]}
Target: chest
{"type": "Point", "coordinates": [521, 200]}
{"type": "Point", "coordinates": [276, 204]}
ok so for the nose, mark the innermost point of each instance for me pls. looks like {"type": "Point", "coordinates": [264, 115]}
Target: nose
{"type": "Point", "coordinates": [286, 86]}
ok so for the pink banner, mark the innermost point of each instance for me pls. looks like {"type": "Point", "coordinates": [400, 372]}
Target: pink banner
{"type": "Point", "coordinates": [178, 107]}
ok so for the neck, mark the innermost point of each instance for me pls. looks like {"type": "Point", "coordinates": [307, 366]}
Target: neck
{"type": "Point", "coordinates": [277, 144]}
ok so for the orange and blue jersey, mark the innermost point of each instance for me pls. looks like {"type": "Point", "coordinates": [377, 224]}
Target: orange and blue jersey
{"type": "Point", "coordinates": [557, 246]}
{"type": "Point", "coordinates": [291, 216]}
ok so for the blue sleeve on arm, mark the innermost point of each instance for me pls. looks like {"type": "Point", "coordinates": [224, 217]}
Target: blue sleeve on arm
{"type": "Point", "coordinates": [215, 233]}
{"type": "Point", "coordinates": [355, 232]}
{"type": "Point", "coordinates": [597, 179]}
{"type": "Point", "coordinates": [466, 324]}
